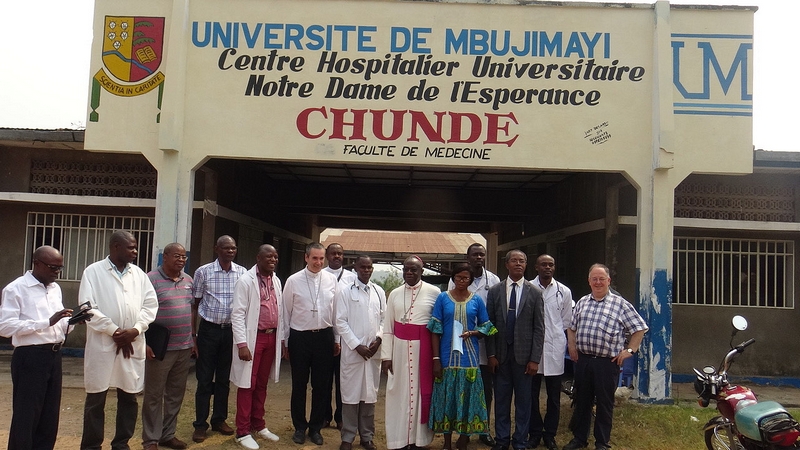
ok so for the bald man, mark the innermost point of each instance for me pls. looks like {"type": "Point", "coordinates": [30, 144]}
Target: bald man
{"type": "Point", "coordinates": [35, 319]}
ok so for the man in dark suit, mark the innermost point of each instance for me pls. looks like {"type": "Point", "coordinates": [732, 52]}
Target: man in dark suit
{"type": "Point", "coordinates": [516, 309]}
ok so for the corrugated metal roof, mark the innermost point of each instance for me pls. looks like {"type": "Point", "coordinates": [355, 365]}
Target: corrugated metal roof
{"type": "Point", "coordinates": [371, 241]}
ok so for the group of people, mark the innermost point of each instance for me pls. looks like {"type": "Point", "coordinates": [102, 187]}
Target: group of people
{"type": "Point", "coordinates": [448, 355]}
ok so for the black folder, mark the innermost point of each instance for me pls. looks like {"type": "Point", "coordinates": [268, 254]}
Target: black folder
{"type": "Point", "coordinates": [157, 337]}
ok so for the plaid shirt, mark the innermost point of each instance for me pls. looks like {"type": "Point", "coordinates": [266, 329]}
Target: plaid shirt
{"type": "Point", "coordinates": [214, 287]}
{"type": "Point", "coordinates": [601, 326]}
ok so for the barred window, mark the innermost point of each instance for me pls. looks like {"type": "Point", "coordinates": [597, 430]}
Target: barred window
{"type": "Point", "coordinates": [733, 272]}
{"type": "Point", "coordinates": [83, 239]}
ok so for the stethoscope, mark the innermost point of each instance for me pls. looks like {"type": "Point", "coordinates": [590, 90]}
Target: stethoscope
{"type": "Point", "coordinates": [558, 292]}
{"type": "Point", "coordinates": [355, 285]}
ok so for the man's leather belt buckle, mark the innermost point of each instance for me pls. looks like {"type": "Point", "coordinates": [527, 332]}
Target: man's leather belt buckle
{"type": "Point", "coordinates": [53, 347]}
{"type": "Point", "coordinates": [316, 331]}
{"type": "Point", "coordinates": [267, 330]}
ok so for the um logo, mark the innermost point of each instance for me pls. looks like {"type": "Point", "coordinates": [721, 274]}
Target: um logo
{"type": "Point", "coordinates": [712, 73]}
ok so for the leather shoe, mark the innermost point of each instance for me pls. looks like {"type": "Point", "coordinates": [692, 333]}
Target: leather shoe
{"type": "Point", "coordinates": [173, 443]}
{"type": "Point", "coordinates": [151, 446]}
{"type": "Point", "coordinates": [575, 445]}
{"type": "Point", "coordinates": [488, 440]}
{"type": "Point", "coordinates": [550, 444]}
{"type": "Point", "coordinates": [601, 447]}
{"type": "Point", "coordinates": [532, 444]}
{"type": "Point", "coordinates": [346, 446]}
{"type": "Point", "coordinates": [223, 428]}
{"type": "Point", "coordinates": [199, 435]}
{"type": "Point", "coordinates": [368, 445]}
{"type": "Point", "coordinates": [315, 437]}
{"type": "Point", "coordinates": [299, 437]}
{"type": "Point", "coordinates": [500, 447]}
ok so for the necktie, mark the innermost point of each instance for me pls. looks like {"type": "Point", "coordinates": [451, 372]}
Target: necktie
{"type": "Point", "coordinates": [512, 315]}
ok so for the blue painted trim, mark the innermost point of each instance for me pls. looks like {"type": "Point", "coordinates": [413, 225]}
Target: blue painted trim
{"type": "Point", "coordinates": [712, 36]}
{"type": "Point", "coordinates": [713, 113]}
{"type": "Point", "coordinates": [759, 381]}
{"type": "Point", "coordinates": [658, 339]}
{"type": "Point", "coordinates": [712, 105]}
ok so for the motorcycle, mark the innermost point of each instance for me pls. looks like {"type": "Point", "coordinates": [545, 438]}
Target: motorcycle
{"type": "Point", "coordinates": [744, 423]}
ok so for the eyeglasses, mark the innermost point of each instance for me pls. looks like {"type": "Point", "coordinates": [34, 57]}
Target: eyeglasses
{"type": "Point", "coordinates": [179, 257]}
{"type": "Point", "coordinates": [517, 261]}
{"type": "Point", "coordinates": [52, 267]}
{"type": "Point", "coordinates": [596, 279]}
{"type": "Point", "coordinates": [457, 278]}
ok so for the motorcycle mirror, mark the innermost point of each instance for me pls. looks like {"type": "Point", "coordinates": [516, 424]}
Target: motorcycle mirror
{"type": "Point", "coordinates": [739, 323]}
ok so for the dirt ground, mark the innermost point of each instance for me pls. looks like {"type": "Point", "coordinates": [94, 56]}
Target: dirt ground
{"type": "Point", "coordinates": [278, 418]}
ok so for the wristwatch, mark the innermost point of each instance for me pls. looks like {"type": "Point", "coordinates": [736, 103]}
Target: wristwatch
{"type": "Point", "coordinates": [630, 350]}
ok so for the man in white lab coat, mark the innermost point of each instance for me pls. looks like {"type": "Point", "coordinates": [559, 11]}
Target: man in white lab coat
{"type": "Point", "coordinates": [124, 304]}
{"type": "Point", "coordinates": [359, 311]}
{"type": "Point", "coordinates": [557, 314]}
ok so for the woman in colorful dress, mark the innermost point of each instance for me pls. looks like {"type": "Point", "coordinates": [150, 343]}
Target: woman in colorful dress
{"type": "Point", "coordinates": [458, 403]}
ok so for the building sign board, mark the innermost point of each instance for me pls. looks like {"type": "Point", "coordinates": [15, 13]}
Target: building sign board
{"type": "Point", "coordinates": [552, 87]}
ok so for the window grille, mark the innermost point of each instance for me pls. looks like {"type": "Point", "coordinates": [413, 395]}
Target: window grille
{"type": "Point", "coordinates": [733, 272]}
{"type": "Point", "coordinates": [83, 239]}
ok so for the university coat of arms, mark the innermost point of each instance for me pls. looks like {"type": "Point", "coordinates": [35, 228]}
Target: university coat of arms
{"type": "Point", "coordinates": [132, 53]}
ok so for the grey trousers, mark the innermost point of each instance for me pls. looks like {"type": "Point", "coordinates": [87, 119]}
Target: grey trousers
{"type": "Point", "coordinates": [359, 419]}
{"type": "Point", "coordinates": [164, 387]}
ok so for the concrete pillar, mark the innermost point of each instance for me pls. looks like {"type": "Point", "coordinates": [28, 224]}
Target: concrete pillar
{"type": "Point", "coordinates": [174, 198]}
{"type": "Point", "coordinates": [654, 232]}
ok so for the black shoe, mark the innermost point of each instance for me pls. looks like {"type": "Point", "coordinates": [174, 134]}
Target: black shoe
{"type": "Point", "coordinates": [500, 447]}
{"type": "Point", "coordinates": [532, 444]}
{"type": "Point", "coordinates": [550, 444]}
{"type": "Point", "coordinates": [575, 445]}
{"type": "Point", "coordinates": [602, 447]}
{"type": "Point", "coordinates": [488, 440]}
{"type": "Point", "coordinates": [299, 437]}
{"type": "Point", "coordinates": [315, 437]}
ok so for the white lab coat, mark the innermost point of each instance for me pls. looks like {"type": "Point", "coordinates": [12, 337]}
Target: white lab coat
{"type": "Point", "coordinates": [246, 306]}
{"type": "Point", "coordinates": [359, 310]}
{"type": "Point", "coordinates": [127, 302]}
{"type": "Point", "coordinates": [557, 315]}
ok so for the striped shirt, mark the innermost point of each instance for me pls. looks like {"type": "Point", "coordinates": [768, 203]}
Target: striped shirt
{"type": "Point", "coordinates": [174, 307]}
{"type": "Point", "coordinates": [601, 326]}
{"type": "Point", "coordinates": [214, 287]}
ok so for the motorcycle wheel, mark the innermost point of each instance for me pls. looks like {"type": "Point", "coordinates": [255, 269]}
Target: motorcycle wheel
{"type": "Point", "coordinates": [719, 438]}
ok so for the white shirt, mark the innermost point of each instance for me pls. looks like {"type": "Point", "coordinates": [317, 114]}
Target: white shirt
{"type": "Point", "coordinates": [517, 292]}
{"type": "Point", "coordinates": [342, 276]}
{"type": "Point", "coordinates": [26, 310]}
{"type": "Point", "coordinates": [308, 301]}
{"type": "Point", "coordinates": [557, 315]}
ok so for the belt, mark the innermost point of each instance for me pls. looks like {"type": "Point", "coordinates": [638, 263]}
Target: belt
{"type": "Point", "coordinates": [217, 325]}
{"type": "Point", "coordinates": [267, 330]}
{"type": "Point", "coordinates": [586, 355]}
{"type": "Point", "coordinates": [312, 331]}
{"type": "Point", "coordinates": [52, 347]}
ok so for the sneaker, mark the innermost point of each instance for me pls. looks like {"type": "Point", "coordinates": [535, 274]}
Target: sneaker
{"type": "Point", "coordinates": [247, 442]}
{"type": "Point", "coordinates": [268, 435]}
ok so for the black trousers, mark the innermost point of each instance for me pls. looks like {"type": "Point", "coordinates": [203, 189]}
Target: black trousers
{"type": "Point", "coordinates": [595, 379]}
{"type": "Point", "coordinates": [548, 427]}
{"type": "Point", "coordinates": [213, 370]}
{"type": "Point", "coordinates": [36, 375]}
{"type": "Point", "coordinates": [311, 354]}
{"type": "Point", "coordinates": [94, 418]}
{"type": "Point", "coordinates": [332, 414]}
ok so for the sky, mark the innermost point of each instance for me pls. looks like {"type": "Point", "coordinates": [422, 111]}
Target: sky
{"type": "Point", "coordinates": [45, 48]}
